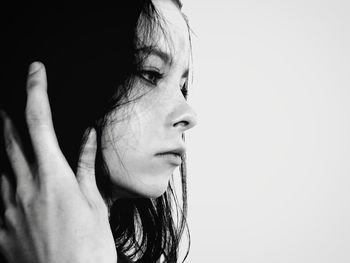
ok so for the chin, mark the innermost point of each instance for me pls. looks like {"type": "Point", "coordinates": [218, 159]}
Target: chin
{"type": "Point", "coordinates": [153, 190]}
{"type": "Point", "coordinates": [149, 187]}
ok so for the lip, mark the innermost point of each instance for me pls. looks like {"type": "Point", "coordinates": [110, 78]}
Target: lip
{"type": "Point", "coordinates": [177, 151]}
{"type": "Point", "coordinates": [174, 156]}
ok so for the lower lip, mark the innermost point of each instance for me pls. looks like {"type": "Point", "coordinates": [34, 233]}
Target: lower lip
{"type": "Point", "coordinates": [171, 157]}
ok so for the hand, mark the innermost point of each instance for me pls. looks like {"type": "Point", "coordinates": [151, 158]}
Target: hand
{"type": "Point", "coordinates": [51, 215]}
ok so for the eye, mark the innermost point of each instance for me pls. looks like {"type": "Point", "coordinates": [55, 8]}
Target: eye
{"type": "Point", "coordinates": [184, 90]}
{"type": "Point", "coordinates": [151, 76]}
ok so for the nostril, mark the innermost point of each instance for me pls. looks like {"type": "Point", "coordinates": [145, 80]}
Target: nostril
{"type": "Point", "coordinates": [182, 123]}
{"type": "Point", "coordinates": [185, 118]}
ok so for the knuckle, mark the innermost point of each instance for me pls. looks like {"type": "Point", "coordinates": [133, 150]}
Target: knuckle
{"type": "Point", "coordinates": [32, 82]}
{"type": "Point", "coordinates": [37, 106]}
{"type": "Point", "coordinates": [33, 116]}
{"type": "Point", "coordinates": [86, 167]}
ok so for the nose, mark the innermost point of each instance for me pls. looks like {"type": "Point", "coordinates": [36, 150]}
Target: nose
{"type": "Point", "coordinates": [186, 118]}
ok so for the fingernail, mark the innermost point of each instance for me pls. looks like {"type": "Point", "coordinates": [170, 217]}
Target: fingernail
{"type": "Point", "coordinates": [34, 67]}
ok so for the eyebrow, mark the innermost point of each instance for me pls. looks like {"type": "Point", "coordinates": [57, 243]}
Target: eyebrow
{"type": "Point", "coordinates": [166, 57]}
{"type": "Point", "coordinates": [148, 50]}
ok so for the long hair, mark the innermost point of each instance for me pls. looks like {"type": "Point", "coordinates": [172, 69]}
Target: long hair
{"type": "Point", "coordinates": [91, 62]}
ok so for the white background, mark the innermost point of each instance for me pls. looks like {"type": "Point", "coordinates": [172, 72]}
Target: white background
{"type": "Point", "coordinates": [269, 161]}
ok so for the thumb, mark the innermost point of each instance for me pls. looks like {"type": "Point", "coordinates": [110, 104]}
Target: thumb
{"type": "Point", "coordinates": [86, 166]}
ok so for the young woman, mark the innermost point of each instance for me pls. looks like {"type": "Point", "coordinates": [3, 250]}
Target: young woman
{"type": "Point", "coordinates": [87, 176]}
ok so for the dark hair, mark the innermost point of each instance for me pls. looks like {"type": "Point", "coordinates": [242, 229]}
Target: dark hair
{"type": "Point", "coordinates": [90, 60]}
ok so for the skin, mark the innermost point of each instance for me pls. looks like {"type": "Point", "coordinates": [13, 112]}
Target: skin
{"type": "Point", "coordinates": [155, 122]}
{"type": "Point", "coordinates": [52, 215]}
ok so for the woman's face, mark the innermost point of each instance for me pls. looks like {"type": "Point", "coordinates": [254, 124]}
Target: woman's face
{"type": "Point", "coordinates": [138, 134]}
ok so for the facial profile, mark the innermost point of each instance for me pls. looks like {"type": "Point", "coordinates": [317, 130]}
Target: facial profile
{"type": "Point", "coordinates": [120, 73]}
{"type": "Point", "coordinates": [143, 141]}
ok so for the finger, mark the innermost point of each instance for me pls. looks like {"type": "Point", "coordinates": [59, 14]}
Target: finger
{"type": "Point", "coordinates": [7, 192]}
{"type": "Point", "coordinates": [14, 151]}
{"type": "Point", "coordinates": [38, 114]}
{"type": "Point", "coordinates": [86, 167]}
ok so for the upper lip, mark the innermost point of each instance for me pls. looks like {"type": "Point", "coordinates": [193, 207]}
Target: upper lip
{"type": "Point", "coordinates": [178, 151]}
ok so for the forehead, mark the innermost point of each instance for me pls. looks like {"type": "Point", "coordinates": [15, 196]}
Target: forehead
{"type": "Point", "coordinates": [169, 33]}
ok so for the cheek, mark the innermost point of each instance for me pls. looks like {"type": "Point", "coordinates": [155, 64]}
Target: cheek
{"type": "Point", "coordinates": [128, 148]}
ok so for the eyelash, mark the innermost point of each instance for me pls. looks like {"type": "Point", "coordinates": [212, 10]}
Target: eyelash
{"type": "Point", "coordinates": [184, 90]}
{"type": "Point", "coordinates": [153, 77]}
